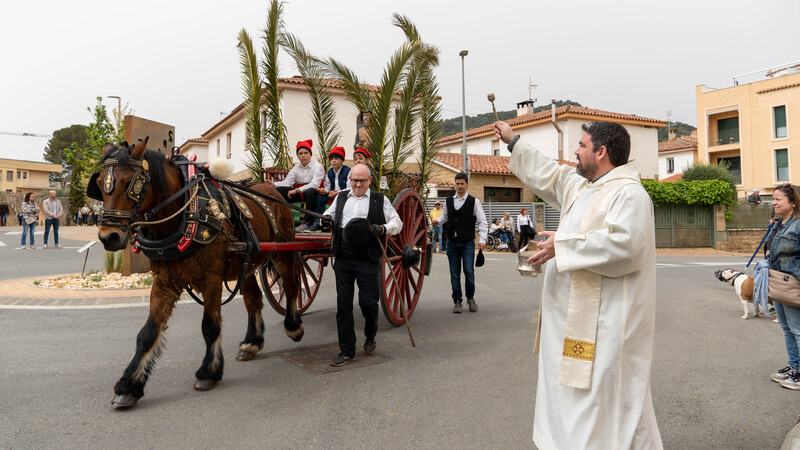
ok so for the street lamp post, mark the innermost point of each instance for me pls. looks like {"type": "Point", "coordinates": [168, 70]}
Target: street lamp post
{"type": "Point", "coordinates": [462, 54]}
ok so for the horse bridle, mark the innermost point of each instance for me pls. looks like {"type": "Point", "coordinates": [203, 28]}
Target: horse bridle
{"type": "Point", "coordinates": [136, 191]}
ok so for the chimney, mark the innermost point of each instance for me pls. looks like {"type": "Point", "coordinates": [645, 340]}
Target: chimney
{"type": "Point", "coordinates": [525, 107]}
{"type": "Point", "coordinates": [671, 134]}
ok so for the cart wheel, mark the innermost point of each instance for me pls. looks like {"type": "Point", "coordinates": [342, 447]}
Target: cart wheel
{"type": "Point", "coordinates": [309, 274]}
{"type": "Point", "coordinates": [406, 257]}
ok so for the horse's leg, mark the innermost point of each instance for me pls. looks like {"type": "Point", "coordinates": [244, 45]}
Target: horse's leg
{"type": "Point", "coordinates": [149, 344]}
{"type": "Point", "coordinates": [254, 339]}
{"type": "Point", "coordinates": [210, 372]}
{"type": "Point", "coordinates": [285, 265]}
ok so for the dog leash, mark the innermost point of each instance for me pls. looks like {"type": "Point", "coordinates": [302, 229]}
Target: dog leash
{"type": "Point", "coordinates": [769, 230]}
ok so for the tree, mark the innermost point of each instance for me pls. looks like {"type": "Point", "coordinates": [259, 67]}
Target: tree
{"type": "Point", "coordinates": [275, 129]}
{"type": "Point", "coordinates": [62, 139]}
{"type": "Point", "coordinates": [323, 112]}
{"type": "Point", "coordinates": [720, 172]}
{"type": "Point", "coordinates": [252, 89]}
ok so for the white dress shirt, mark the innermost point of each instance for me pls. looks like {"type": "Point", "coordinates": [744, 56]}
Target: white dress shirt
{"type": "Point", "coordinates": [358, 207]}
{"type": "Point", "coordinates": [311, 175]}
{"type": "Point", "coordinates": [327, 183]}
{"type": "Point", "coordinates": [458, 202]}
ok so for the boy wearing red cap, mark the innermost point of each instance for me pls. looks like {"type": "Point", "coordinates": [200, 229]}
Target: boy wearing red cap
{"type": "Point", "coordinates": [301, 183]}
{"type": "Point", "coordinates": [335, 180]}
{"type": "Point", "coordinates": [361, 155]}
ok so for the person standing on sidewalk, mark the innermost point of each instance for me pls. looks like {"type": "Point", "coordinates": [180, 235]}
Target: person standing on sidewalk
{"type": "Point", "coordinates": [52, 217]}
{"type": "Point", "coordinates": [29, 212]}
{"type": "Point", "coordinates": [784, 256]}
{"type": "Point", "coordinates": [360, 217]}
{"type": "Point", "coordinates": [436, 212]}
{"type": "Point", "coordinates": [463, 211]}
{"type": "Point", "coordinates": [3, 213]}
{"type": "Point", "coordinates": [598, 302]}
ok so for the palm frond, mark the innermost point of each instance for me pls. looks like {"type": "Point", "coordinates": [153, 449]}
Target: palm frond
{"type": "Point", "coordinates": [275, 130]}
{"type": "Point", "coordinates": [323, 112]}
{"type": "Point", "coordinates": [393, 77]}
{"type": "Point", "coordinates": [355, 89]}
{"type": "Point", "coordinates": [251, 90]}
{"type": "Point", "coordinates": [430, 129]}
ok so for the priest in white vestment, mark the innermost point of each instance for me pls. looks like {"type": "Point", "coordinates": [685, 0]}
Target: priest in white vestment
{"type": "Point", "coordinates": [598, 300]}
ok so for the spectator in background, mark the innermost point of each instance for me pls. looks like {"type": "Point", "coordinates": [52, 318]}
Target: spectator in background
{"type": "Point", "coordinates": [29, 213]}
{"type": "Point", "coordinates": [52, 217]}
{"type": "Point", "coordinates": [755, 197]}
{"type": "Point", "coordinates": [78, 216]}
{"type": "Point", "coordinates": [86, 213]}
{"type": "Point", "coordinates": [3, 213]}
{"type": "Point", "coordinates": [525, 228]}
{"type": "Point", "coordinates": [96, 212]}
{"type": "Point", "coordinates": [436, 212]}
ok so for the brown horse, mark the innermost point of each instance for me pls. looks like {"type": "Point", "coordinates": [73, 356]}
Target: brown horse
{"type": "Point", "coordinates": [139, 182]}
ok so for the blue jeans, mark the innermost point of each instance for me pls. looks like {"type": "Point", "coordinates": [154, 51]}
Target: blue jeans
{"type": "Point", "coordinates": [25, 228]}
{"type": "Point", "coordinates": [3, 219]}
{"type": "Point", "coordinates": [47, 224]}
{"type": "Point", "coordinates": [459, 253]}
{"type": "Point", "coordinates": [789, 319]}
{"type": "Point", "coordinates": [437, 239]}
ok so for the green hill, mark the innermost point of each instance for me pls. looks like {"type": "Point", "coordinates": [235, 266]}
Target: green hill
{"type": "Point", "coordinates": [683, 129]}
{"type": "Point", "coordinates": [452, 126]}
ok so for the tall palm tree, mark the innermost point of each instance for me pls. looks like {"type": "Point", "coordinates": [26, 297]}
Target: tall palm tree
{"type": "Point", "coordinates": [323, 112]}
{"type": "Point", "coordinates": [274, 128]}
{"type": "Point", "coordinates": [252, 89]}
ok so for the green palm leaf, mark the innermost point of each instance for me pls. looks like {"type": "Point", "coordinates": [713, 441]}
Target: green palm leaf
{"type": "Point", "coordinates": [251, 89]}
{"type": "Point", "coordinates": [275, 130]}
{"type": "Point", "coordinates": [323, 112]}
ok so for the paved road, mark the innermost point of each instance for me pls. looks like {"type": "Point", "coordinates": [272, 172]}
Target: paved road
{"type": "Point", "coordinates": [18, 263]}
{"type": "Point", "coordinates": [469, 383]}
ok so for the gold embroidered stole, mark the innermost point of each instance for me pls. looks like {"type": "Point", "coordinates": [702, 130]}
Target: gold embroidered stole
{"type": "Point", "coordinates": [583, 310]}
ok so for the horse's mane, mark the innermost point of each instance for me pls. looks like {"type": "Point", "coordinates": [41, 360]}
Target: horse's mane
{"type": "Point", "coordinates": [157, 163]}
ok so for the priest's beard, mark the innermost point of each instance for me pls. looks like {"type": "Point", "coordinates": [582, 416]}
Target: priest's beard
{"type": "Point", "coordinates": [587, 168]}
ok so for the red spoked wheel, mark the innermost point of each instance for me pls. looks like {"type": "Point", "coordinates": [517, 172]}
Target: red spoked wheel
{"type": "Point", "coordinates": [309, 275]}
{"type": "Point", "coordinates": [407, 258]}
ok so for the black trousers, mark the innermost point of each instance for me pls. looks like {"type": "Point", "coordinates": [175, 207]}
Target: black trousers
{"type": "Point", "coordinates": [367, 275]}
{"type": "Point", "coordinates": [526, 232]}
{"type": "Point", "coordinates": [309, 196]}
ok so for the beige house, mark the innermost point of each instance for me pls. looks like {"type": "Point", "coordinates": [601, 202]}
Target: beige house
{"type": "Point", "coordinates": [674, 155]}
{"type": "Point", "coordinates": [755, 128]}
{"type": "Point", "coordinates": [557, 132]}
{"type": "Point", "coordinates": [227, 137]}
{"type": "Point", "coordinates": [26, 176]}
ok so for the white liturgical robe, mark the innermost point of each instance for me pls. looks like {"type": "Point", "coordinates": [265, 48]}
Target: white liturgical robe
{"type": "Point", "coordinates": [615, 411]}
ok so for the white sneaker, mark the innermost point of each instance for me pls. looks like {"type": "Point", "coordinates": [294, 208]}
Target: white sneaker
{"type": "Point", "coordinates": [793, 382]}
{"type": "Point", "coordinates": [783, 374]}
{"type": "Point", "coordinates": [44, 246]}
{"type": "Point", "coordinates": [58, 246]}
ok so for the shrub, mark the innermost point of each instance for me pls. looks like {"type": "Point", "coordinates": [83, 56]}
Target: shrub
{"type": "Point", "coordinates": [701, 192]}
{"type": "Point", "coordinates": [699, 172]}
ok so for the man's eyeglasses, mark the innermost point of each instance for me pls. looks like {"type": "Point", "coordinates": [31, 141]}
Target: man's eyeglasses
{"type": "Point", "coordinates": [357, 181]}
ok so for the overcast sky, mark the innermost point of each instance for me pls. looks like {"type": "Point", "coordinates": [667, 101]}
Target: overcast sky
{"type": "Point", "coordinates": [176, 61]}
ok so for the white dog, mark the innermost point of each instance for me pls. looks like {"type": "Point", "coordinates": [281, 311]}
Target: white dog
{"type": "Point", "coordinates": [744, 289]}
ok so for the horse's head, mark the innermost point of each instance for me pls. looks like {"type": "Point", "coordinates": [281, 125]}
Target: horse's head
{"type": "Point", "coordinates": [122, 185]}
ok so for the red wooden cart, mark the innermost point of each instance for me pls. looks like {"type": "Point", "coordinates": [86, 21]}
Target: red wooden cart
{"type": "Point", "coordinates": [407, 255]}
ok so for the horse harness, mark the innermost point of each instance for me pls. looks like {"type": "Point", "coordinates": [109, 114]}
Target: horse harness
{"type": "Point", "coordinates": [208, 204]}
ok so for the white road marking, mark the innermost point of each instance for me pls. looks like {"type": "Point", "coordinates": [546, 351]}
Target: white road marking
{"type": "Point", "coordinates": [11, 233]}
{"type": "Point", "coordinates": [2, 244]}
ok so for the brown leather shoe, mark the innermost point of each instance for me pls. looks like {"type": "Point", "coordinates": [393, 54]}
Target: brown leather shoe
{"type": "Point", "coordinates": [473, 307]}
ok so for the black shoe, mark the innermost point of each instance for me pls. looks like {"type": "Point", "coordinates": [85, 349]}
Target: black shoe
{"type": "Point", "coordinates": [369, 346]}
{"type": "Point", "coordinates": [341, 360]}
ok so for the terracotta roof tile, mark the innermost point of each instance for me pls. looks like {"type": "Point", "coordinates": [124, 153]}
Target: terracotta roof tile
{"type": "Point", "coordinates": [489, 164]}
{"type": "Point", "coordinates": [676, 177]}
{"type": "Point", "coordinates": [563, 110]}
{"type": "Point", "coordinates": [329, 82]}
{"type": "Point", "coordinates": [679, 143]}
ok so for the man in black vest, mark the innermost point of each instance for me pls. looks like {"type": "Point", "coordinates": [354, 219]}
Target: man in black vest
{"type": "Point", "coordinates": [360, 218]}
{"type": "Point", "coordinates": [463, 212]}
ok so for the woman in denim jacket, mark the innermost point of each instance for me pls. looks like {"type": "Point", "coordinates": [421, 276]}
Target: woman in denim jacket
{"type": "Point", "coordinates": [784, 255]}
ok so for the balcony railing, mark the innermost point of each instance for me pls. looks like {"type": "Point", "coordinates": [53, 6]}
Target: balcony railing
{"type": "Point", "coordinates": [722, 137]}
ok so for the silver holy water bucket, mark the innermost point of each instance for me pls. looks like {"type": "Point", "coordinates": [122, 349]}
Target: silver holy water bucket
{"type": "Point", "coordinates": [525, 268]}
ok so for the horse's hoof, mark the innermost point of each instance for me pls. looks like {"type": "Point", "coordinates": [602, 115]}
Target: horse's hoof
{"type": "Point", "coordinates": [204, 385]}
{"type": "Point", "coordinates": [297, 334]}
{"type": "Point", "coordinates": [245, 356]}
{"type": "Point", "coordinates": [124, 401]}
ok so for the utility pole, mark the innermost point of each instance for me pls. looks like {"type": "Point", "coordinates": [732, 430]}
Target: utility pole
{"type": "Point", "coordinates": [118, 115]}
{"type": "Point", "coordinates": [462, 54]}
